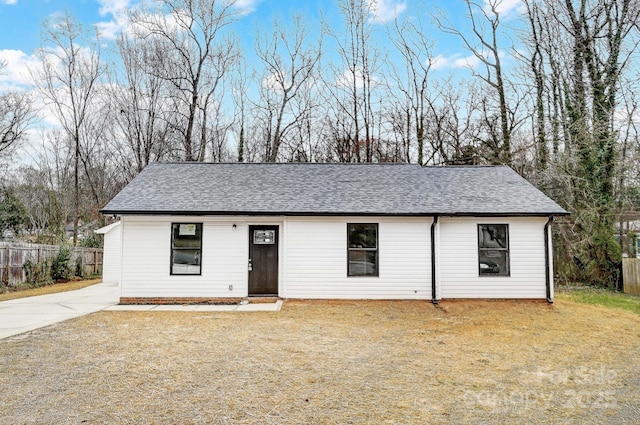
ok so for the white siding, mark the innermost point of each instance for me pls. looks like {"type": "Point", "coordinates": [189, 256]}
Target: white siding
{"type": "Point", "coordinates": [146, 258]}
{"type": "Point", "coordinates": [313, 258]}
{"type": "Point", "coordinates": [111, 257]}
{"type": "Point", "coordinates": [457, 263]}
{"type": "Point", "coordinates": [316, 259]}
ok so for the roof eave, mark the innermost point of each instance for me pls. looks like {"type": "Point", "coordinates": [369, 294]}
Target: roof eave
{"type": "Point", "coordinates": [333, 213]}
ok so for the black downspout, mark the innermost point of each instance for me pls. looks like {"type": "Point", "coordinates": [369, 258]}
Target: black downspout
{"type": "Point", "coordinates": [547, 273]}
{"type": "Point", "coordinates": [434, 300]}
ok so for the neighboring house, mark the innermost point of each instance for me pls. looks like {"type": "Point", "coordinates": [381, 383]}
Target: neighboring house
{"type": "Point", "coordinates": [197, 232]}
{"type": "Point", "coordinates": [68, 229]}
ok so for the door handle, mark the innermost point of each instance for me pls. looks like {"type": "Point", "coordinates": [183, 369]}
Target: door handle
{"type": "Point", "coordinates": [250, 265]}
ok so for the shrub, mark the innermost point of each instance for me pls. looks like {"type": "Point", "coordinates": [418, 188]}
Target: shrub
{"type": "Point", "coordinates": [79, 270]}
{"type": "Point", "coordinates": [61, 268]}
{"type": "Point", "coordinates": [38, 272]}
{"type": "Point", "coordinates": [91, 240]}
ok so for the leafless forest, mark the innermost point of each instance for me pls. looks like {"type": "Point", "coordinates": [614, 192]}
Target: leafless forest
{"type": "Point", "coordinates": [554, 95]}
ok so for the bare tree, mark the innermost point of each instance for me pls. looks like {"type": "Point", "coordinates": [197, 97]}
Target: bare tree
{"type": "Point", "coordinates": [68, 80]}
{"type": "Point", "coordinates": [454, 124]}
{"type": "Point", "coordinates": [354, 89]}
{"type": "Point", "coordinates": [194, 57]}
{"type": "Point", "coordinates": [46, 187]}
{"type": "Point", "coordinates": [290, 65]}
{"type": "Point", "coordinates": [16, 116]}
{"type": "Point", "coordinates": [101, 178]}
{"type": "Point", "coordinates": [239, 89]}
{"type": "Point", "coordinates": [139, 108]}
{"type": "Point", "coordinates": [537, 68]}
{"type": "Point", "coordinates": [413, 86]}
{"type": "Point", "coordinates": [483, 44]}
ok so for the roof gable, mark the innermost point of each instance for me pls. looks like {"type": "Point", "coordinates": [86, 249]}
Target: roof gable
{"type": "Point", "coordinates": [328, 189]}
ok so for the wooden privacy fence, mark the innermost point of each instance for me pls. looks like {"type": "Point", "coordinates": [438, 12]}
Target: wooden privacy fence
{"type": "Point", "coordinates": [631, 275]}
{"type": "Point", "coordinates": [14, 255]}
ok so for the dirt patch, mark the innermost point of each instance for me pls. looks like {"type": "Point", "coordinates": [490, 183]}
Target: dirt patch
{"type": "Point", "coordinates": [330, 362]}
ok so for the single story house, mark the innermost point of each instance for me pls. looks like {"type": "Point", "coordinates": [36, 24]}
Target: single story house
{"type": "Point", "coordinates": [198, 232]}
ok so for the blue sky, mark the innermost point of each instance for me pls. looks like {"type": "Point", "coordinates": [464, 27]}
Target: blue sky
{"type": "Point", "coordinates": [21, 21]}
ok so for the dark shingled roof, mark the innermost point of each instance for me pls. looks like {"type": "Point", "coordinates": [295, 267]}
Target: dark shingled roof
{"type": "Point", "coordinates": [329, 189]}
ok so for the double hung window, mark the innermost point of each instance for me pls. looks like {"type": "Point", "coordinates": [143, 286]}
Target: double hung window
{"type": "Point", "coordinates": [362, 249]}
{"type": "Point", "coordinates": [186, 248]}
{"type": "Point", "coordinates": [493, 249]}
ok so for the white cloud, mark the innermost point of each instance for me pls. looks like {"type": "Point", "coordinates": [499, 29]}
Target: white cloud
{"type": "Point", "coordinates": [173, 21]}
{"type": "Point", "coordinates": [458, 61]}
{"type": "Point", "coordinates": [441, 62]}
{"type": "Point", "coordinates": [109, 30]}
{"type": "Point", "coordinates": [246, 6]}
{"type": "Point", "coordinates": [9, 2]}
{"type": "Point", "coordinates": [120, 19]}
{"type": "Point", "coordinates": [470, 61]}
{"type": "Point", "coordinates": [113, 7]}
{"type": "Point", "coordinates": [16, 73]}
{"type": "Point", "coordinates": [386, 10]}
{"type": "Point", "coordinates": [505, 7]}
{"type": "Point", "coordinates": [17, 76]}
{"type": "Point", "coordinates": [348, 78]}
{"type": "Point", "coordinates": [52, 57]}
{"type": "Point", "coordinates": [169, 22]}
{"type": "Point", "coordinates": [273, 83]}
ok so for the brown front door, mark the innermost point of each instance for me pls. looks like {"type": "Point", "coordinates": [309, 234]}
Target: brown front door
{"type": "Point", "coordinates": [263, 260]}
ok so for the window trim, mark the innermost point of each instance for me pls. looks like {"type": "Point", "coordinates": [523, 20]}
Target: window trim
{"type": "Point", "coordinates": [376, 250]}
{"type": "Point", "coordinates": [172, 248]}
{"type": "Point", "coordinates": [506, 250]}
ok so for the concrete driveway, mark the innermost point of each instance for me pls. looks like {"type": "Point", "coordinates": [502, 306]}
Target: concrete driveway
{"type": "Point", "coordinates": [26, 314]}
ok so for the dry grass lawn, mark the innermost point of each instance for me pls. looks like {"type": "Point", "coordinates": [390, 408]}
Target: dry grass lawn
{"type": "Point", "coordinates": [320, 362]}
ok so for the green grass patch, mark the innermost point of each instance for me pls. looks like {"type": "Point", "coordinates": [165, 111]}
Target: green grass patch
{"type": "Point", "coordinates": [604, 297]}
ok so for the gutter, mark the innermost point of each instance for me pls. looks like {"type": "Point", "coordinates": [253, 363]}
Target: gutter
{"type": "Point", "coordinates": [547, 272]}
{"type": "Point", "coordinates": [120, 211]}
{"type": "Point", "coordinates": [434, 300]}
